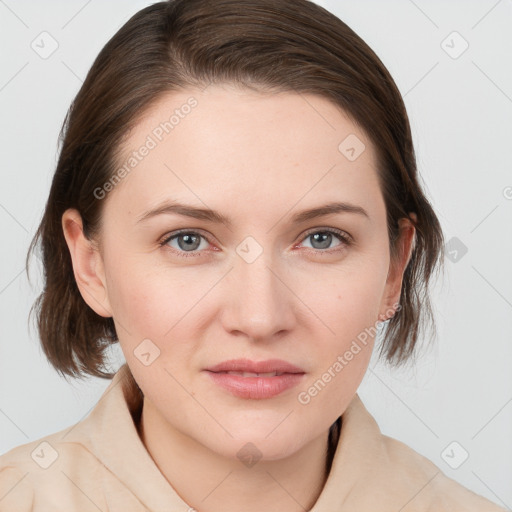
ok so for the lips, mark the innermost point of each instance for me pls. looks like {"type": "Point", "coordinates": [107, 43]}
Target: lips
{"type": "Point", "coordinates": [249, 368]}
{"type": "Point", "coordinates": [252, 374]}
{"type": "Point", "coordinates": [255, 380]}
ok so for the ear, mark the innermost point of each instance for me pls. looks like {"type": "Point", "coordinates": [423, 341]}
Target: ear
{"type": "Point", "coordinates": [87, 262]}
{"type": "Point", "coordinates": [404, 248]}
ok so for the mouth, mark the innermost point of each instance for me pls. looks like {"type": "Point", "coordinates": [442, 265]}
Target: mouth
{"type": "Point", "coordinates": [272, 367]}
{"type": "Point", "coordinates": [255, 386]}
{"type": "Point", "coordinates": [255, 380]}
{"type": "Point", "coordinates": [252, 374]}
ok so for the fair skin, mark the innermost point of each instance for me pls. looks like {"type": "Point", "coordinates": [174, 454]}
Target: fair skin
{"type": "Point", "coordinates": [258, 159]}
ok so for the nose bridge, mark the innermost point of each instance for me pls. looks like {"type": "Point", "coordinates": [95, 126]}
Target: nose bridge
{"type": "Point", "coordinates": [260, 302]}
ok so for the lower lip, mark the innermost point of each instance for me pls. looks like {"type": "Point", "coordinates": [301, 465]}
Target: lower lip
{"type": "Point", "coordinates": [256, 388]}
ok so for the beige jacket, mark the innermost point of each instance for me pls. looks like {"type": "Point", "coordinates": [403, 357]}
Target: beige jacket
{"type": "Point", "coordinates": [100, 464]}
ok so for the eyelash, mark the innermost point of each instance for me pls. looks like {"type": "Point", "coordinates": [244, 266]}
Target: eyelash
{"type": "Point", "coordinates": [345, 239]}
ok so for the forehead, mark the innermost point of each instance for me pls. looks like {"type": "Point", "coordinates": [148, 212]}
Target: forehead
{"type": "Point", "coordinates": [226, 142]}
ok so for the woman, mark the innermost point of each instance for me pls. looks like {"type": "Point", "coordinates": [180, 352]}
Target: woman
{"type": "Point", "coordinates": [236, 203]}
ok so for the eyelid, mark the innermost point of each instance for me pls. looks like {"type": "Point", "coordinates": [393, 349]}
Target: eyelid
{"type": "Point", "coordinates": [345, 238]}
{"type": "Point", "coordinates": [163, 241]}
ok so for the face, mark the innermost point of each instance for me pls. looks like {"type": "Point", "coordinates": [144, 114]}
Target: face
{"type": "Point", "coordinates": [260, 279]}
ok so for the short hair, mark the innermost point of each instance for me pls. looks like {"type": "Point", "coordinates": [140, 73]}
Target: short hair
{"type": "Point", "coordinates": [263, 45]}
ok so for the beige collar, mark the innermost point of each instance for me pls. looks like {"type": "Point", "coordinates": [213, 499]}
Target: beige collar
{"type": "Point", "coordinates": [369, 471]}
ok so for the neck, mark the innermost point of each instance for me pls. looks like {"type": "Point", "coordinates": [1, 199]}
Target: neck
{"type": "Point", "coordinates": [209, 482]}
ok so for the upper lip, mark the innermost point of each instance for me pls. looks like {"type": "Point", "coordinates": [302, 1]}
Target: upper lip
{"type": "Point", "coordinates": [247, 365]}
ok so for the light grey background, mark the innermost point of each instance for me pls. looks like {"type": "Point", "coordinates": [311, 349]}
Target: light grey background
{"type": "Point", "coordinates": [460, 108]}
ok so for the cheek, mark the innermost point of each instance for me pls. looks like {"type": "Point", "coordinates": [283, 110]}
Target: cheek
{"type": "Point", "coordinates": [139, 301]}
{"type": "Point", "coordinates": [156, 305]}
{"type": "Point", "coordinates": [350, 299]}
{"type": "Point", "coordinates": [349, 308]}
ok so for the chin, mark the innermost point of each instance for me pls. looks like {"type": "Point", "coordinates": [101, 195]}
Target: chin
{"type": "Point", "coordinates": [253, 445]}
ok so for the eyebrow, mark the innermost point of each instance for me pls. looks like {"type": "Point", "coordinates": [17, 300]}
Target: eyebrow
{"type": "Point", "coordinates": [207, 214]}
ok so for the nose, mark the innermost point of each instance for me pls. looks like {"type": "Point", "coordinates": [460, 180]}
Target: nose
{"type": "Point", "coordinates": [261, 304]}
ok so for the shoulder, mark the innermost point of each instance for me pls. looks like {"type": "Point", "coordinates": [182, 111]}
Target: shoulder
{"type": "Point", "coordinates": [49, 470]}
{"type": "Point", "coordinates": [435, 490]}
{"type": "Point", "coordinates": [15, 493]}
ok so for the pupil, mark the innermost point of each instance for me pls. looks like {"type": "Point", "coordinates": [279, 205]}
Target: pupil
{"type": "Point", "coordinates": [189, 242]}
{"type": "Point", "coordinates": [325, 239]}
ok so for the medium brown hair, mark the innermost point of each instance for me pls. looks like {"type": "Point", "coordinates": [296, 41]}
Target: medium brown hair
{"type": "Point", "coordinates": [266, 45]}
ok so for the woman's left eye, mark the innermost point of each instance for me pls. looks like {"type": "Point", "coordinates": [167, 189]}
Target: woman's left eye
{"type": "Point", "coordinates": [185, 242]}
{"type": "Point", "coordinates": [322, 239]}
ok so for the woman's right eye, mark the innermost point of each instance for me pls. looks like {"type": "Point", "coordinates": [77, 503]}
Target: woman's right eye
{"type": "Point", "coordinates": [185, 242]}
